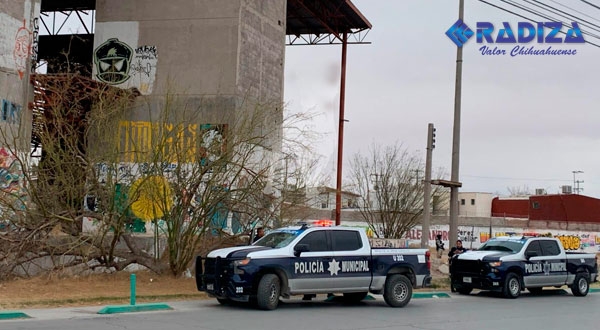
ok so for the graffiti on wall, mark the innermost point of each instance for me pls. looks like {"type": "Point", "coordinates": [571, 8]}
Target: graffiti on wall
{"type": "Point", "coordinates": [473, 237]}
{"type": "Point", "coordinates": [11, 173]}
{"type": "Point", "coordinates": [570, 242]}
{"type": "Point", "coordinates": [22, 49]}
{"type": "Point", "coordinates": [118, 63]}
{"type": "Point", "coordinates": [180, 143]}
{"type": "Point", "coordinates": [10, 112]}
{"type": "Point", "coordinates": [35, 44]}
{"type": "Point", "coordinates": [143, 68]}
{"type": "Point", "coordinates": [113, 61]}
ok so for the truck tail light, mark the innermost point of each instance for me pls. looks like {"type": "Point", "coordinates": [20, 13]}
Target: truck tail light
{"type": "Point", "coordinates": [427, 259]}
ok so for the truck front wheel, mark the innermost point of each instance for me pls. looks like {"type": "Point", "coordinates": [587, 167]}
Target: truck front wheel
{"type": "Point", "coordinates": [397, 291]}
{"type": "Point", "coordinates": [512, 286]}
{"type": "Point", "coordinates": [267, 295]}
{"type": "Point", "coordinates": [581, 285]}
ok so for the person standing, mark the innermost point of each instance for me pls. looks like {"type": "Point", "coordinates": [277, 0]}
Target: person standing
{"type": "Point", "coordinates": [458, 249]}
{"type": "Point", "coordinates": [439, 246]}
{"type": "Point", "coordinates": [260, 232]}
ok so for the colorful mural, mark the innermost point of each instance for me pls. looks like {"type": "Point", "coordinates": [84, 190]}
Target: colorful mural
{"type": "Point", "coordinates": [153, 197]}
{"type": "Point", "coordinates": [11, 173]}
{"type": "Point", "coordinates": [473, 237]}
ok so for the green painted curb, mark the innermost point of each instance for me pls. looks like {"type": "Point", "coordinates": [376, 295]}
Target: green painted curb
{"type": "Point", "coordinates": [594, 290]}
{"type": "Point", "coordinates": [134, 308]}
{"type": "Point", "coordinates": [13, 315]}
{"type": "Point", "coordinates": [430, 295]}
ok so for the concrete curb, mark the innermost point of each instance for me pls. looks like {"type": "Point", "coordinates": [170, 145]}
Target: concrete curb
{"type": "Point", "coordinates": [13, 315]}
{"type": "Point", "coordinates": [416, 295]}
{"type": "Point", "coordinates": [134, 308]}
{"type": "Point", "coordinates": [419, 295]}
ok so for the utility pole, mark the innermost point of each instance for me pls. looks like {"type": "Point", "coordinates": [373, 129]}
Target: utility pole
{"type": "Point", "coordinates": [453, 235]}
{"type": "Point", "coordinates": [427, 187]}
{"type": "Point", "coordinates": [340, 152]}
{"type": "Point", "coordinates": [576, 182]}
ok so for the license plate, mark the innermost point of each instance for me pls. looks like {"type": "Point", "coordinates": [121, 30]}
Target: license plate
{"type": "Point", "coordinates": [466, 280]}
{"type": "Point", "coordinates": [210, 287]}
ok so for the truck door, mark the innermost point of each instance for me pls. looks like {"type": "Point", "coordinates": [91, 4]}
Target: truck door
{"type": "Point", "coordinates": [533, 274]}
{"type": "Point", "coordinates": [555, 263]}
{"type": "Point", "coordinates": [310, 271]}
{"type": "Point", "coordinates": [353, 260]}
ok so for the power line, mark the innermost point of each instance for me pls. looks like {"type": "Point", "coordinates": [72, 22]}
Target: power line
{"type": "Point", "coordinates": [527, 18]}
{"type": "Point", "coordinates": [517, 179]}
{"type": "Point", "coordinates": [544, 15]}
{"type": "Point", "coordinates": [560, 13]}
{"type": "Point", "coordinates": [575, 10]}
{"type": "Point", "coordinates": [591, 4]}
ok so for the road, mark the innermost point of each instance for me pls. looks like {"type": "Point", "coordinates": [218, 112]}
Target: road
{"type": "Point", "coordinates": [554, 310]}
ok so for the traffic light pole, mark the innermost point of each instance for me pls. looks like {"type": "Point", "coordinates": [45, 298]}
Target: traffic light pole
{"type": "Point", "coordinates": [427, 188]}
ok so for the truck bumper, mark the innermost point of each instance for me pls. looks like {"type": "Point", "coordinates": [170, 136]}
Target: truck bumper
{"type": "Point", "coordinates": [426, 281]}
{"type": "Point", "coordinates": [490, 282]}
{"type": "Point", "coordinates": [220, 283]}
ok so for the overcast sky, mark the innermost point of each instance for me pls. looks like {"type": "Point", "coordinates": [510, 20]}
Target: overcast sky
{"type": "Point", "coordinates": [526, 120]}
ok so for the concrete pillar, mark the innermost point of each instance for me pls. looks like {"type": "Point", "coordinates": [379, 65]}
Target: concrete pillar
{"type": "Point", "coordinates": [18, 42]}
{"type": "Point", "coordinates": [223, 56]}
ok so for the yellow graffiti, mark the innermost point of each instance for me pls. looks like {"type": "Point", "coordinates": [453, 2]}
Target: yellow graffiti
{"type": "Point", "coordinates": [152, 197]}
{"type": "Point", "coordinates": [139, 141]}
{"type": "Point", "coordinates": [570, 242]}
{"type": "Point", "coordinates": [484, 237]}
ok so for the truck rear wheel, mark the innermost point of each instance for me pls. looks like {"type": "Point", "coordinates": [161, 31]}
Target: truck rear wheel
{"type": "Point", "coordinates": [581, 285]}
{"type": "Point", "coordinates": [397, 290]}
{"type": "Point", "coordinates": [512, 286]}
{"type": "Point", "coordinates": [267, 295]}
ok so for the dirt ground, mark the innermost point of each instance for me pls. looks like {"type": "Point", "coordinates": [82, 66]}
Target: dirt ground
{"type": "Point", "coordinates": [48, 291]}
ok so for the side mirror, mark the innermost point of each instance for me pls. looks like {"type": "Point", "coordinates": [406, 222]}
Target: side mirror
{"type": "Point", "coordinates": [299, 248]}
{"type": "Point", "coordinates": [530, 254]}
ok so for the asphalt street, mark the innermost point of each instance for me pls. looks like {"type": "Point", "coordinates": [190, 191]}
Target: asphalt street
{"type": "Point", "coordinates": [556, 309]}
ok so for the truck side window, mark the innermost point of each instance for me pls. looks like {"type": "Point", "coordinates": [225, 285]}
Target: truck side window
{"type": "Point", "coordinates": [550, 248]}
{"type": "Point", "coordinates": [535, 247]}
{"type": "Point", "coordinates": [345, 240]}
{"type": "Point", "coordinates": [316, 241]}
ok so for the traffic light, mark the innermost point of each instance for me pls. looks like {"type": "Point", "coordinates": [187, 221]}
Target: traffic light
{"type": "Point", "coordinates": [431, 137]}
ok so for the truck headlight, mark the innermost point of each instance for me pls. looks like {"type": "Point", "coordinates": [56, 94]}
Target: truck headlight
{"type": "Point", "coordinates": [496, 263]}
{"type": "Point", "coordinates": [238, 263]}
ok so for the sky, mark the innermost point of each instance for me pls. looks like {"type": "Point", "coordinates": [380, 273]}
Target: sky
{"type": "Point", "coordinates": [526, 121]}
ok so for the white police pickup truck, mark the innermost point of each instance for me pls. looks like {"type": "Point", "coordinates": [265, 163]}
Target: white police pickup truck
{"type": "Point", "coordinates": [306, 260]}
{"type": "Point", "coordinates": [511, 264]}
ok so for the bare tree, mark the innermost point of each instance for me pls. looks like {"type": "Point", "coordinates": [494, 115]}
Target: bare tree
{"type": "Point", "coordinates": [389, 181]}
{"type": "Point", "coordinates": [517, 191]}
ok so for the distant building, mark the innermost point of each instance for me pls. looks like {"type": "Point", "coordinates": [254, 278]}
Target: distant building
{"type": "Point", "coordinates": [474, 204]}
{"type": "Point", "coordinates": [324, 198]}
{"type": "Point", "coordinates": [562, 207]}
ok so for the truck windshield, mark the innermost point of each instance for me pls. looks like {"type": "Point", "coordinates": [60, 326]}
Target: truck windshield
{"type": "Point", "coordinates": [505, 246]}
{"type": "Point", "coordinates": [278, 239]}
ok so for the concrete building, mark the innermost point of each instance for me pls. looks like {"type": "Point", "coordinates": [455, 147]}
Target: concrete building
{"type": "Point", "coordinates": [18, 43]}
{"type": "Point", "coordinates": [474, 204]}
